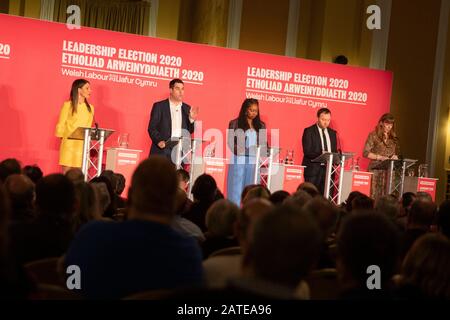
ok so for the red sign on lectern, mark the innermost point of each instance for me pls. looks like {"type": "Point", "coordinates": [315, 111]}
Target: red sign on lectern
{"type": "Point", "coordinates": [293, 177]}
{"type": "Point", "coordinates": [427, 185]}
{"type": "Point", "coordinates": [361, 181]}
{"type": "Point", "coordinates": [215, 167]}
{"type": "Point", "coordinates": [123, 161]}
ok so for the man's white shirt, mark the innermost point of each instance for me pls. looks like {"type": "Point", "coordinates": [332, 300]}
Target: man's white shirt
{"type": "Point", "coordinates": [175, 114]}
{"type": "Point", "coordinates": [327, 137]}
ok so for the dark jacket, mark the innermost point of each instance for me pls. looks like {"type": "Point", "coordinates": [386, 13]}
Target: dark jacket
{"type": "Point", "coordinates": [312, 148]}
{"type": "Point", "coordinates": [160, 124]}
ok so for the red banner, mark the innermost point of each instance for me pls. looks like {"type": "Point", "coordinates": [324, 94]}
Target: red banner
{"type": "Point", "coordinates": [39, 60]}
{"type": "Point", "coordinates": [427, 185]}
{"type": "Point", "coordinates": [361, 181]}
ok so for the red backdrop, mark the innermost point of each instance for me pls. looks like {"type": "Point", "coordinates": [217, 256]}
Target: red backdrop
{"type": "Point", "coordinates": [39, 60]}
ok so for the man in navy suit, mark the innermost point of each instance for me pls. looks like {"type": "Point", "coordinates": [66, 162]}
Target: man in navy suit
{"type": "Point", "coordinates": [317, 139]}
{"type": "Point", "coordinates": [170, 118]}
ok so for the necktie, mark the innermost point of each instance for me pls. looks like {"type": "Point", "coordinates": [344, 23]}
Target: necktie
{"type": "Point", "coordinates": [325, 145]}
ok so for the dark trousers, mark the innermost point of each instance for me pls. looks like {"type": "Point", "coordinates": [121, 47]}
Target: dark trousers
{"type": "Point", "coordinates": [318, 180]}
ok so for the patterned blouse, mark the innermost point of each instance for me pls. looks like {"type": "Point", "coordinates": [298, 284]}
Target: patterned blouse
{"type": "Point", "coordinates": [377, 146]}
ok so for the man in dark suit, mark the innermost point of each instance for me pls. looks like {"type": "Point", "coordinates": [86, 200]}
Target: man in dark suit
{"type": "Point", "coordinates": [317, 139]}
{"type": "Point", "coordinates": [170, 118]}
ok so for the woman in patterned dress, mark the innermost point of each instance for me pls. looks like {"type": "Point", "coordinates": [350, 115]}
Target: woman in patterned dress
{"type": "Point", "coordinates": [381, 144]}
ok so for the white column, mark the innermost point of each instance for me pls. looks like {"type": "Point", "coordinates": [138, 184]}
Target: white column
{"type": "Point", "coordinates": [153, 17]}
{"type": "Point", "coordinates": [292, 28]}
{"type": "Point", "coordinates": [234, 23]}
{"type": "Point", "coordinates": [47, 9]}
{"type": "Point", "coordinates": [381, 37]}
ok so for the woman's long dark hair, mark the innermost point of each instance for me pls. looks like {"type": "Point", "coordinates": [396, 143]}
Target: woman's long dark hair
{"type": "Point", "coordinates": [242, 119]}
{"type": "Point", "coordinates": [74, 94]}
{"type": "Point", "coordinates": [387, 117]}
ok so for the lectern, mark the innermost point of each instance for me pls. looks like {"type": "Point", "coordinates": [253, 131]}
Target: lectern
{"type": "Point", "coordinates": [335, 163]}
{"type": "Point", "coordinates": [96, 136]}
{"type": "Point", "coordinates": [395, 174]}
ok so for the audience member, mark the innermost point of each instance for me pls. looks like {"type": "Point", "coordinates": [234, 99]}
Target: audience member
{"type": "Point", "coordinates": [143, 252]}
{"type": "Point", "coordinates": [50, 233]}
{"type": "Point", "coordinates": [310, 188]}
{"type": "Point", "coordinates": [278, 197]}
{"type": "Point", "coordinates": [204, 191]}
{"type": "Point", "coordinates": [420, 218]}
{"type": "Point", "coordinates": [181, 224]}
{"type": "Point", "coordinates": [425, 272]}
{"type": "Point", "coordinates": [220, 220]}
{"type": "Point", "coordinates": [8, 167]}
{"type": "Point", "coordinates": [33, 172]}
{"type": "Point", "coordinates": [367, 239]}
{"type": "Point", "coordinates": [183, 179]}
{"type": "Point", "coordinates": [22, 194]}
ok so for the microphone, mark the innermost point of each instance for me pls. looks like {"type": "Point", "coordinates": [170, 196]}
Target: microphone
{"type": "Point", "coordinates": [338, 142]}
{"type": "Point", "coordinates": [96, 132]}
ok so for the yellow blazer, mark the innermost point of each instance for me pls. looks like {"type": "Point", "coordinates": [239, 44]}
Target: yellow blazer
{"type": "Point", "coordinates": [71, 151]}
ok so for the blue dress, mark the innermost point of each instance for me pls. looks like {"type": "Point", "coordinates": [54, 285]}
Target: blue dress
{"type": "Point", "coordinates": [241, 171]}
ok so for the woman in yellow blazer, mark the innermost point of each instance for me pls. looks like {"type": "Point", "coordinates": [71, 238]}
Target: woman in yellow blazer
{"type": "Point", "coordinates": [77, 112]}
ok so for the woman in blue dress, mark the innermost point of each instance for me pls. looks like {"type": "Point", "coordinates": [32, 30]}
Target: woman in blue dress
{"type": "Point", "coordinates": [244, 134]}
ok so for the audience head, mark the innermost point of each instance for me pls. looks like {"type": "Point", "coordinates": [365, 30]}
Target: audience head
{"type": "Point", "coordinates": [299, 199]}
{"type": "Point", "coordinates": [250, 212]}
{"type": "Point", "coordinates": [111, 205]}
{"type": "Point", "coordinates": [21, 191]}
{"type": "Point", "coordinates": [204, 188]}
{"type": "Point", "coordinates": [102, 194]}
{"type": "Point", "coordinates": [324, 213]}
{"type": "Point", "coordinates": [421, 215]}
{"type": "Point", "coordinates": [153, 188]}
{"type": "Point", "coordinates": [366, 239]}
{"type": "Point", "coordinates": [362, 202]}
{"type": "Point", "coordinates": [256, 192]}
{"type": "Point", "coordinates": [407, 201]}
{"type": "Point", "coordinates": [88, 206]}
{"type": "Point", "coordinates": [183, 179]}
{"type": "Point", "coordinates": [33, 172]}
{"type": "Point", "coordinates": [111, 177]}
{"type": "Point", "coordinates": [75, 175]}
{"type": "Point", "coordinates": [246, 189]}
{"type": "Point", "coordinates": [55, 197]}
{"type": "Point", "coordinates": [309, 188]}
{"type": "Point", "coordinates": [388, 205]}
{"type": "Point", "coordinates": [8, 167]}
{"type": "Point", "coordinates": [221, 218]}
{"type": "Point", "coordinates": [284, 246]}
{"type": "Point", "coordinates": [278, 196]}
{"type": "Point", "coordinates": [120, 186]}
{"type": "Point", "coordinates": [427, 265]}
{"type": "Point", "coordinates": [351, 196]}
